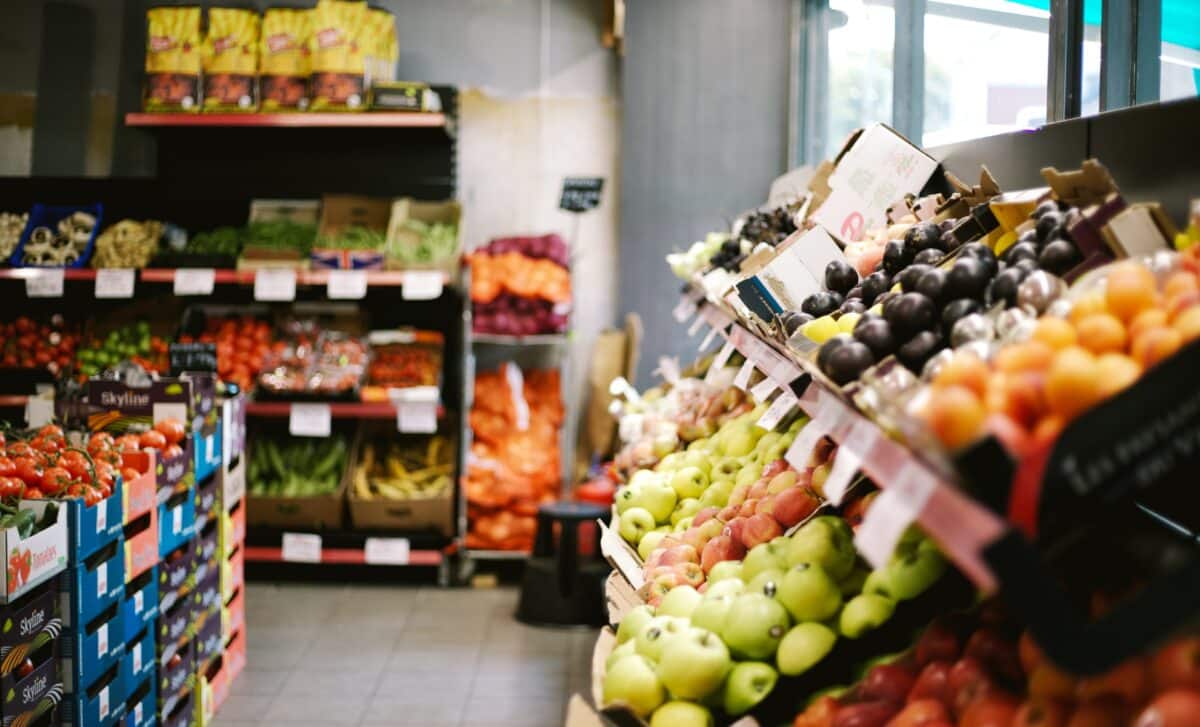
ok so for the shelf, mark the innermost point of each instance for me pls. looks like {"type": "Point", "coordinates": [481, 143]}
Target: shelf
{"type": "Point", "coordinates": [344, 547]}
{"type": "Point", "coordinates": [7, 401]}
{"type": "Point", "coordinates": [375, 278]}
{"type": "Point", "coordinates": [364, 119]}
{"type": "Point", "coordinates": [341, 556]}
{"type": "Point", "coordinates": [497, 339]}
{"type": "Point", "coordinates": [498, 554]}
{"type": "Point", "coordinates": [337, 409]}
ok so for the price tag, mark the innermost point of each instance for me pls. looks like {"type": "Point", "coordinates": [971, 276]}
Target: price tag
{"type": "Point", "coordinates": [778, 410]}
{"type": "Point", "coordinates": [763, 389]}
{"type": "Point", "coordinates": [194, 281]}
{"type": "Point", "coordinates": [310, 420]}
{"type": "Point", "coordinates": [684, 309]}
{"type": "Point", "coordinates": [719, 362]}
{"type": "Point", "coordinates": [139, 601]}
{"type": "Point", "coordinates": [102, 640]}
{"type": "Point", "coordinates": [101, 516]}
{"type": "Point", "coordinates": [44, 283]}
{"type": "Point", "coordinates": [416, 409]}
{"type": "Point", "coordinates": [709, 338]}
{"type": "Point", "coordinates": [422, 284]}
{"type": "Point", "coordinates": [742, 380]}
{"type": "Point", "coordinates": [137, 657]}
{"type": "Point", "coordinates": [302, 547]}
{"type": "Point", "coordinates": [114, 282]}
{"type": "Point", "coordinates": [104, 700]}
{"type": "Point", "coordinates": [386, 551]}
{"type": "Point", "coordinates": [346, 285]}
{"type": "Point", "coordinates": [275, 284]}
{"type": "Point", "coordinates": [805, 442]}
{"type": "Point", "coordinates": [39, 411]}
{"type": "Point", "coordinates": [845, 463]}
{"type": "Point", "coordinates": [102, 579]}
{"type": "Point", "coordinates": [897, 507]}
{"type": "Point", "coordinates": [210, 443]}
{"type": "Point", "coordinates": [695, 327]}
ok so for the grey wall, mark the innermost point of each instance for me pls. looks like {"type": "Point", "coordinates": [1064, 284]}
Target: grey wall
{"type": "Point", "coordinates": [703, 133]}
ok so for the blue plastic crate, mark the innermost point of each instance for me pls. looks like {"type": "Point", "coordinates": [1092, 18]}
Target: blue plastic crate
{"type": "Point", "coordinates": [91, 650]}
{"type": "Point", "coordinates": [139, 660]}
{"type": "Point", "coordinates": [45, 215]}
{"type": "Point", "coordinates": [93, 585]}
{"type": "Point", "coordinates": [139, 606]}
{"type": "Point", "coordinates": [100, 705]}
{"type": "Point", "coordinates": [141, 703]}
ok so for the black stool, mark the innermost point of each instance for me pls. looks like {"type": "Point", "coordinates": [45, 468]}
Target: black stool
{"type": "Point", "coordinates": [560, 587]}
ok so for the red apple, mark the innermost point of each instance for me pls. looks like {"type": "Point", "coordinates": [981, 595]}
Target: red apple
{"type": "Point", "coordinates": [857, 510]}
{"type": "Point", "coordinates": [681, 553]}
{"type": "Point", "coordinates": [690, 574]}
{"type": "Point", "coordinates": [865, 714]}
{"type": "Point", "coordinates": [1177, 664]}
{"type": "Point", "coordinates": [774, 468]}
{"type": "Point", "coordinates": [1042, 713]}
{"type": "Point", "coordinates": [704, 515]}
{"type": "Point", "coordinates": [938, 643]}
{"type": "Point", "coordinates": [933, 683]}
{"type": "Point", "coordinates": [968, 682]}
{"type": "Point", "coordinates": [734, 528]}
{"type": "Point", "coordinates": [698, 536]}
{"type": "Point", "coordinates": [991, 710]}
{"type": "Point", "coordinates": [920, 713]}
{"type": "Point", "coordinates": [818, 714]}
{"type": "Point", "coordinates": [793, 505]}
{"type": "Point", "coordinates": [996, 653]}
{"type": "Point", "coordinates": [727, 513]}
{"type": "Point", "coordinates": [748, 507]}
{"type": "Point", "coordinates": [759, 489]}
{"type": "Point", "coordinates": [889, 682]}
{"type": "Point", "coordinates": [766, 505]}
{"type": "Point", "coordinates": [1172, 708]}
{"type": "Point", "coordinates": [760, 528]}
{"type": "Point", "coordinates": [719, 549]}
{"type": "Point", "coordinates": [738, 494]}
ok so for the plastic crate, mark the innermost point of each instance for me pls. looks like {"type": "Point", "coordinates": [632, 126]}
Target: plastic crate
{"type": "Point", "coordinates": [45, 215]}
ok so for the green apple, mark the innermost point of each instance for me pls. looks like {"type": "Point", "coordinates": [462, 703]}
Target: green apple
{"type": "Point", "coordinates": [748, 684]}
{"type": "Point", "coordinates": [852, 585]}
{"type": "Point", "coordinates": [641, 477]}
{"type": "Point", "coordinates": [785, 480]}
{"type": "Point", "coordinates": [725, 570]}
{"type": "Point", "coordinates": [657, 498]}
{"type": "Point", "coordinates": [631, 682]}
{"type": "Point", "coordinates": [635, 619]}
{"type": "Point", "coordinates": [629, 647]}
{"type": "Point", "coordinates": [625, 498]}
{"type": "Point", "coordinates": [711, 612]}
{"type": "Point", "coordinates": [689, 482]}
{"type": "Point", "coordinates": [699, 459]}
{"type": "Point", "coordinates": [748, 474]}
{"type": "Point", "coordinates": [766, 582]}
{"type": "Point", "coordinates": [776, 451]}
{"type": "Point", "coordinates": [804, 646]}
{"type": "Point", "coordinates": [685, 508]}
{"type": "Point", "coordinates": [649, 542]}
{"type": "Point", "coordinates": [809, 594]}
{"type": "Point", "coordinates": [863, 613]}
{"type": "Point", "coordinates": [716, 494]}
{"type": "Point", "coordinates": [670, 463]}
{"type": "Point", "coordinates": [725, 587]}
{"type": "Point", "coordinates": [766, 441]}
{"type": "Point", "coordinates": [635, 523]}
{"type": "Point", "coordinates": [739, 441]}
{"type": "Point", "coordinates": [656, 633]}
{"type": "Point", "coordinates": [725, 468]}
{"type": "Point", "coordinates": [797, 425]}
{"type": "Point", "coordinates": [681, 601]}
{"type": "Point", "coordinates": [682, 525]}
{"type": "Point", "coordinates": [693, 665]}
{"type": "Point", "coordinates": [681, 714]}
{"type": "Point", "coordinates": [826, 541]}
{"type": "Point", "coordinates": [764, 556]}
{"type": "Point", "coordinates": [911, 574]}
{"type": "Point", "coordinates": [754, 626]}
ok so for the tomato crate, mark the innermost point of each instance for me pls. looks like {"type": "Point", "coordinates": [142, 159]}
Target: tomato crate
{"type": "Point", "coordinates": [176, 677]}
{"type": "Point", "coordinates": [176, 522]}
{"type": "Point", "coordinates": [90, 649]}
{"type": "Point", "coordinates": [141, 544]}
{"type": "Point", "coordinates": [174, 625]}
{"type": "Point", "coordinates": [23, 694]}
{"type": "Point", "coordinates": [35, 559]}
{"type": "Point", "coordinates": [139, 606]}
{"type": "Point", "coordinates": [92, 528]}
{"type": "Point", "coordinates": [94, 584]}
{"type": "Point", "coordinates": [208, 504]}
{"type": "Point", "coordinates": [139, 660]}
{"type": "Point", "coordinates": [34, 623]}
{"type": "Point", "coordinates": [233, 615]}
{"type": "Point", "coordinates": [100, 705]}
{"type": "Point", "coordinates": [142, 702]}
{"type": "Point", "coordinates": [139, 493]}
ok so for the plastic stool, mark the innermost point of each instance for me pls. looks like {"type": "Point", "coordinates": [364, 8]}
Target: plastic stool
{"type": "Point", "coordinates": [560, 588]}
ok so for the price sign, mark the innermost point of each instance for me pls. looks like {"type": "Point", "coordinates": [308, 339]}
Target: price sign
{"type": "Point", "coordinates": [101, 516]}
{"type": "Point", "coordinates": [805, 442]}
{"type": "Point", "coordinates": [422, 285]}
{"type": "Point", "coordinates": [192, 357]}
{"type": "Point", "coordinates": [346, 285]}
{"type": "Point", "coordinates": [139, 601]}
{"type": "Point", "coordinates": [386, 551]}
{"type": "Point", "coordinates": [177, 520]}
{"type": "Point", "coordinates": [845, 464]}
{"type": "Point", "coordinates": [137, 657]}
{"type": "Point", "coordinates": [778, 410]}
{"type": "Point", "coordinates": [416, 409]}
{"type": "Point", "coordinates": [763, 389]}
{"type": "Point", "coordinates": [275, 284]}
{"type": "Point", "coordinates": [897, 507]}
{"type": "Point", "coordinates": [310, 420]}
{"type": "Point", "coordinates": [302, 547]}
{"type": "Point", "coordinates": [39, 411]}
{"type": "Point", "coordinates": [194, 281]}
{"type": "Point", "coordinates": [719, 362]}
{"type": "Point", "coordinates": [114, 283]}
{"type": "Point", "coordinates": [103, 697]}
{"type": "Point", "coordinates": [46, 283]}
{"type": "Point", "coordinates": [742, 380]}
{"type": "Point", "coordinates": [580, 194]}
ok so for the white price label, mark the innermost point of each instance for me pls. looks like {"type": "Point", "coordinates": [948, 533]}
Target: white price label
{"type": "Point", "coordinates": [177, 520]}
{"type": "Point", "coordinates": [416, 417]}
{"type": "Point", "coordinates": [695, 327]}
{"type": "Point", "coordinates": [139, 601]}
{"type": "Point", "coordinates": [778, 410]}
{"type": "Point", "coordinates": [386, 551]}
{"type": "Point", "coordinates": [897, 507]}
{"type": "Point", "coordinates": [310, 420]}
{"type": "Point", "coordinates": [102, 579]}
{"type": "Point", "coordinates": [275, 284]}
{"type": "Point", "coordinates": [422, 284]}
{"type": "Point", "coordinates": [101, 516]}
{"type": "Point", "coordinates": [114, 282]}
{"type": "Point", "coordinates": [194, 281]}
{"type": "Point", "coordinates": [137, 657]}
{"type": "Point", "coordinates": [742, 380]}
{"type": "Point", "coordinates": [44, 283]}
{"type": "Point", "coordinates": [103, 703]}
{"type": "Point", "coordinates": [346, 285]}
{"type": "Point", "coordinates": [719, 361]}
{"type": "Point", "coordinates": [845, 463]}
{"type": "Point", "coordinates": [302, 547]}
{"type": "Point", "coordinates": [805, 442]}
{"type": "Point", "coordinates": [102, 640]}
{"type": "Point", "coordinates": [685, 309]}
{"type": "Point", "coordinates": [39, 411]}
{"type": "Point", "coordinates": [763, 389]}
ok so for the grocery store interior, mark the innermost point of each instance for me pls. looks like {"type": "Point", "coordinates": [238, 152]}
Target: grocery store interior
{"type": "Point", "coordinates": [673, 363]}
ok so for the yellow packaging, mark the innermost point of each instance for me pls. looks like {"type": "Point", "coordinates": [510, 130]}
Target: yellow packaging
{"type": "Point", "coordinates": [382, 48]}
{"type": "Point", "coordinates": [172, 59]}
{"type": "Point", "coordinates": [231, 60]}
{"type": "Point", "coordinates": [338, 55]}
{"type": "Point", "coordinates": [284, 64]}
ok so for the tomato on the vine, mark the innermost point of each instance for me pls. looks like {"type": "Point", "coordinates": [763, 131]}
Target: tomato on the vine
{"type": "Point", "coordinates": [130, 473]}
{"type": "Point", "coordinates": [29, 471]}
{"type": "Point", "coordinates": [51, 430]}
{"type": "Point", "coordinates": [128, 442]}
{"type": "Point", "coordinates": [47, 444]}
{"type": "Point", "coordinates": [19, 449]}
{"type": "Point", "coordinates": [76, 463]}
{"type": "Point", "coordinates": [172, 451]}
{"type": "Point", "coordinates": [8, 468]}
{"type": "Point", "coordinates": [33, 493]}
{"type": "Point", "coordinates": [10, 487]}
{"type": "Point", "coordinates": [91, 495]}
{"type": "Point", "coordinates": [171, 429]}
{"type": "Point", "coordinates": [99, 442]}
{"type": "Point", "coordinates": [55, 480]}
{"type": "Point", "coordinates": [153, 439]}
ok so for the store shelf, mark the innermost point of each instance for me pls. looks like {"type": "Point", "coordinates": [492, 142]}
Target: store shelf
{"type": "Point", "coordinates": [375, 278]}
{"type": "Point", "coordinates": [337, 409]}
{"type": "Point", "coordinates": [497, 339]}
{"type": "Point", "coordinates": [341, 556]}
{"type": "Point", "coordinates": [68, 273]}
{"type": "Point", "coordinates": [498, 554]}
{"type": "Point", "coordinates": [13, 400]}
{"type": "Point", "coordinates": [345, 547]}
{"type": "Point", "coordinates": [366, 119]}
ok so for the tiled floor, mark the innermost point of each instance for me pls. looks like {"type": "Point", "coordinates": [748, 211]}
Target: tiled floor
{"type": "Point", "coordinates": [395, 655]}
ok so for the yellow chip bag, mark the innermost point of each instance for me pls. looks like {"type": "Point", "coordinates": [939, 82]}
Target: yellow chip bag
{"type": "Point", "coordinates": [338, 63]}
{"type": "Point", "coordinates": [231, 60]}
{"type": "Point", "coordinates": [382, 48]}
{"type": "Point", "coordinates": [172, 59]}
{"type": "Point", "coordinates": [284, 64]}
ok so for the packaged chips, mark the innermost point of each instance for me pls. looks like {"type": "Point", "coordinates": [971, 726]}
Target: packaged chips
{"type": "Point", "coordinates": [382, 50]}
{"type": "Point", "coordinates": [231, 60]}
{"type": "Point", "coordinates": [338, 55]}
{"type": "Point", "coordinates": [172, 59]}
{"type": "Point", "coordinates": [285, 64]}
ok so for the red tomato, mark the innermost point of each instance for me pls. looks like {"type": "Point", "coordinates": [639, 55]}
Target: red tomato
{"type": "Point", "coordinates": [172, 451]}
{"type": "Point", "coordinates": [152, 439]}
{"type": "Point", "coordinates": [10, 487]}
{"type": "Point", "coordinates": [171, 429]}
{"type": "Point", "coordinates": [8, 468]}
{"type": "Point", "coordinates": [55, 480]}
{"type": "Point", "coordinates": [99, 442]}
{"type": "Point", "coordinates": [29, 471]}
{"type": "Point", "coordinates": [19, 448]}
{"type": "Point", "coordinates": [51, 430]}
{"type": "Point", "coordinates": [33, 493]}
{"type": "Point", "coordinates": [128, 442]}
{"type": "Point", "coordinates": [91, 496]}
{"type": "Point", "coordinates": [76, 463]}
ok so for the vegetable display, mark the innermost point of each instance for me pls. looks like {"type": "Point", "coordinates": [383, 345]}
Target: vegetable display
{"type": "Point", "coordinates": [243, 344]}
{"type": "Point", "coordinates": [221, 241]}
{"type": "Point", "coordinates": [61, 244]}
{"type": "Point", "coordinates": [353, 237]}
{"type": "Point", "coordinates": [514, 273]}
{"type": "Point", "coordinates": [520, 286]}
{"type": "Point", "coordinates": [404, 471]}
{"type": "Point", "coordinates": [25, 343]}
{"type": "Point", "coordinates": [12, 224]}
{"type": "Point", "coordinates": [437, 243]}
{"type": "Point", "coordinates": [281, 235]}
{"type": "Point", "coordinates": [127, 244]}
{"type": "Point", "coordinates": [296, 467]}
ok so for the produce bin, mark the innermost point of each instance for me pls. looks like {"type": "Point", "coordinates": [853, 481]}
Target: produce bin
{"type": "Point", "coordinates": [303, 513]}
{"type": "Point", "coordinates": [31, 696]}
{"type": "Point", "coordinates": [139, 607]}
{"type": "Point", "coordinates": [92, 528]}
{"type": "Point", "coordinates": [88, 652]}
{"type": "Point", "coordinates": [42, 555]}
{"type": "Point", "coordinates": [382, 453]}
{"type": "Point", "coordinates": [176, 575]}
{"type": "Point", "coordinates": [95, 584]}
{"type": "Point", "coordinates": [174, 635]}
{"type": "Point", "coordinates": [139, 493]}
{"type": "Point", "coordinates": [401, 240]}
{"type": "Point", "coordinates": [100, 705]}
{"type": "Point", "coordinates": [42, 215]}
{"type": "Point", "coordinates": [141, 704]}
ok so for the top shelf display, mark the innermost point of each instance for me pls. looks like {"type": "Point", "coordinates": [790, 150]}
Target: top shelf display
{"type": "Point", "coordinates": [292, 120]}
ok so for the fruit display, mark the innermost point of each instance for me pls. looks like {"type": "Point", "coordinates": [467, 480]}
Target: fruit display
{"type": "Point", "coordinates": [402, 359]}
{"type": "Point", "coordinates": [12, 224]}
{"type": "Point", "coordinates": [518, 293]}
{"type": "Point", "coordinates": [313, 362]}
{"type": "Point", "coordinates": [243, 345]}
{"type": "Point", "coordinates": [515, 463]}
{"type": "Point", "coordinates": [404, 470]}
{"type": "Point", "coordinates": [133, 343]}
{"type": "Point", "coordinates": [127, 244]}
{"type": "Point", "coordinates": [512, 315]}
{"type": "Point", "coordinates": [25, 343]}
{"type": "Point", "coordinates": [701, 253]}
{"type": "Point", "coordinates": [296, 467]}
{"type": "Point", "coordinates": [545, 247]}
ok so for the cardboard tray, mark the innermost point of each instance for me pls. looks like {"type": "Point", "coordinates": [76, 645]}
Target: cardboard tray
{"type": "Point", "coordinates": [45, 551]}
{"type": "Point", "coordinates": [141, 545]}
{"type": "Point", "coordinates": [407, 208]}
{"type": "Point", "coordinates": [320, 512]}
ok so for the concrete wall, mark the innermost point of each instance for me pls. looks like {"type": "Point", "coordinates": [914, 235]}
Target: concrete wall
{"type": "Point", "coordinates": [703, 132]}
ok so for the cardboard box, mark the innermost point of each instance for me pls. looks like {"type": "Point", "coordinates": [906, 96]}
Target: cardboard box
{"type": "Point", "coordinates": [91, 650]}
{"type": "Point", "coordinates": [176, 522]}
{"type": "Point", "coordinates": [233, 575]}
{"type": "Point", "coordinates": [178, 710]}
{"type": "Point", "coordinates": [340, 212]}
{"type": "Point", "coordinates": [141, 703]}
{"type": "Point", "coordinates": [139, 606]}
{"type": "Point", "coordinates": [233, 429]}
{"type": "Point", "coordinates": [233, 531]}
{"type": "Point", "coordinates": [139, 660]}
{"type": "Point", "coordinates": [208, 640]}
{"type": "Point", "coordinates": [45, 552]}
{"type": "Point", "coordinates": [22, 694]}
{"type": "Point", "coordinates": [92, 528]}
{"type": "Point", "coordinates": [208, 550]}
{"type": "Point", "coordinates": [174, 634]}
{"type": "Point", "coordinates": [34, 622]}
{"type": "Point", "coordinates": [176, 679]}
{"type": "Point", "coordinates": [233, 615]}
{"type": "Point", "coordinates": [233, 484]}
{"type": "Point", "coordinates": [399, 236]}
{"type": "Point", "coordinates": [207, 596]}
{"type": "Point", "coordinates": [141, 545]}
{"type": "Point", "coordinates": [208, 502]}
{"type": "Point", "coordinates": [207, 452]}
{"type": "Point", "coordinates": [100, 705]}
{"type": "Point", "coordinates": [176, 576]}
{"type": "Point", "coordinates": [316, 512]}
{"type": "Point", "coordinates": [93, 585]}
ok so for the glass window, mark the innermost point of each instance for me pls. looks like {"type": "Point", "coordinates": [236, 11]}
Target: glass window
{"type": "Point", "coordinates": [985, 68]}
{"type": "Point", "coordinates": [1089, 99]}
{"type": "Point", "coordinates": [861, 37]}
{"type": "Point", "coordinates": [1179, 74]}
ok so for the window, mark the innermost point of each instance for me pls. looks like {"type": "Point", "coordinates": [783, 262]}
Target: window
{"type": "Point", "coordinates": [1179, 73]}
{"type": "Point", "coordinates": [861, 38]}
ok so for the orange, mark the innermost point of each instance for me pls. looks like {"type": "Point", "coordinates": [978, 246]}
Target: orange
{"type": "Point", "coordinates": [1156, 344]}
{"type": "Point", "coordinates": [1054, 332]}
{"type": "Point", "coordinates": [1188, 324]}
{"type": "Point", "coordinates": [965, 369]}
{"type": "Point", "coordinates": [1130, 289]}
{"type": "Point", "coordinates": [1101, 332]}
{"type": "Point", "coordinates": [1087, 304]}
{"type": "Point", "coordinates": [955, 415]}
{"type": "Point", "coordinates": [1028, 356]}
{"type": "Point", "coordinates": [1180, 281]}
{"type": "Point", "coordinates": [1178, 303]}
{"type": "Point", "coordinates": [1117, 371]}
{"type": "Point", "coordinates": [1073, 382]}
{"type": "Point", "coordinates": [1144, 321]}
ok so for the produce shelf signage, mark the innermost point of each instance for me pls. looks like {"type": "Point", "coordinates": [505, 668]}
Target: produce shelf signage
{"type": "Point", "coordinates": [114, 283]}
{"type": "Point", "coordinates": [192, 357]}
{"type": "Point", "coordinates": [580, 194]}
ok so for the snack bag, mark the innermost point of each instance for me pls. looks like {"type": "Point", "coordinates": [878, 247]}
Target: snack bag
{"type": "Point", "coordinates": [338, 57]}
{"type": "Point", "coordinates": [284, 64]}
{"type": "Point", "coordinates": [231, 60]}
{"type": "Point", "coordinates": [172, 59]}
{"type": "Point", "coordinates": [382, 48]}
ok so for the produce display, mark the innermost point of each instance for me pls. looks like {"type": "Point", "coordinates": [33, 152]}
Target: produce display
{"type": "Point", "coordinates": [27, 344]}
{"type": "Point", "coordinates": [404, 470]}
{"type": "Point", "coordinates": [281, 235]}
{"type": "Point", "coordinates": [313, 361]}
{"type": "Point", "coordinates": [133, 343]}
{"type": "Point", "coordinates": [127, 244]}
{"type": "Point", "coordinates": [220, 241]}
{"type": "Point", "coordinates": [354, 237]}
{"type": "Point", "coordinates": [402, 359]}
{"type": "Point", "coordinates": [229, 59]}
{"type": "Point", "coordinates": [520, 286]}
{"type": "Point", "coordinates": [12, 224]}
{"type": "Point", "coordinates": [437, 243]}
{"type": "Point", "coordinates": [303, 467]}
{"type": "Point", "coordinates": [57, 244]}
{"type": "Point", "coordinates": [243, 345]}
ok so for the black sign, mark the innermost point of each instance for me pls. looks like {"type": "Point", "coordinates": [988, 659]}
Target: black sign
{"type": "Point", "coordinates": [192, 357]}
{"type": "Point", "coordinates": [580, 194]}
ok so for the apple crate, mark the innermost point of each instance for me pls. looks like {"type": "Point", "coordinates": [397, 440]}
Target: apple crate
{"type": "Point", "coordinates": [233, 615]}
{"type": "Point", "coordinates": [139, 660]}
{"type": "Point", "coordinates": [174, 624]}
{"type": "Point", "coordinates": [90, 649]}
{"type": "Point", "coordinates": [142, 702]}
{"type": "Point", "coordinates": [23, 695]}
{"type": "Point", "coordinates": [41, 556]}
{"type": "Point", "coordinates": [176, 677]}
{"type": "Point", "coordinates": [139, 606]}
{"type": "Point", "coordinates": [141, 544]}
{"type": "Point", "coordinates": [138, 494]}
{"type": "Point", "coordinates": [176, 522]}
{"type": "Point", "coordinates": [100, 705]}
{"type": "Point", "coordinates": [181, 711]}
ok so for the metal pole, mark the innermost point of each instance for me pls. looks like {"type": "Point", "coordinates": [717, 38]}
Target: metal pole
{"type": "Point", "coordinates": [1065, 74]}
